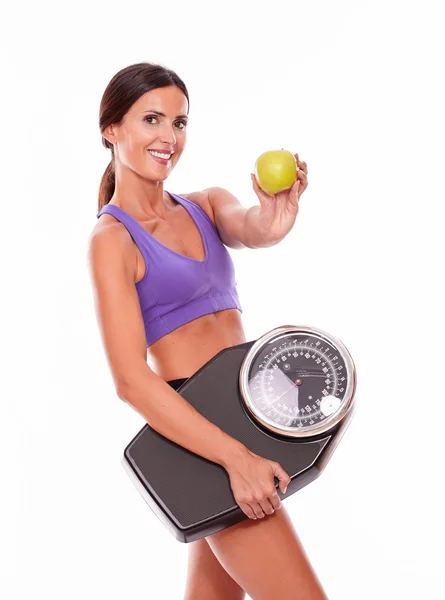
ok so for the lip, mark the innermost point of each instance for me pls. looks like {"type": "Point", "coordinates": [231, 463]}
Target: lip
{"type": "Point", "coordinates": [162, 161]}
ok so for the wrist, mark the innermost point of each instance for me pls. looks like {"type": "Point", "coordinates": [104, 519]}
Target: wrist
{"type": "Point", "coordinates": [231, 451]}
{"type": "Point", "coordinates": [253, 235]}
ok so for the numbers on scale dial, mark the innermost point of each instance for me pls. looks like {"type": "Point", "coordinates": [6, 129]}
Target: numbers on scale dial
{"type": "Point", "coordinates": [299, 382]}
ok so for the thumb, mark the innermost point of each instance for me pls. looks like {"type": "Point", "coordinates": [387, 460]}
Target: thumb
{"type": "Point", "coordinates": [283, 477]}
{"type": "Point", "coordinates": [254, 182]}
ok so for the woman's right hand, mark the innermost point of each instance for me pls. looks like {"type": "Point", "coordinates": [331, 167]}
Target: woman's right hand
{"type": "Point", "coordinates": [252, 482]}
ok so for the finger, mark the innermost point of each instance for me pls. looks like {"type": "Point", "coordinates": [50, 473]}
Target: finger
{"type": "Point", "coordinates": [267, 507]}
{"type": "Point", "coordinates": [302, 176]}
{"type": "Point", "coordinates": [275, 501]}
{"type": "Point", "coordinates": [301, 164]}
{"type": "Point", "coordinates": [283, 477]}
{"type": "Point", "coordinates": [302, 172]}
{"type": "Point", "coordinates": [259, 191]}
{"type": "Point", "coordinates": [294, 193]}
{"type": "Point", "coordinates": [256, 187]}
{"type": "Point", "coordinates": [258, 510]}
{"type": "Point", "coordinates": [255, 182]}
{"type": "Point", "coordinates": [247, 510]}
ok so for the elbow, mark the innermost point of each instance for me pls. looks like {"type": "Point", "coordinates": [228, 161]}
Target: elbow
{"type": "Point", "coordinates": [126, 376]}
{"type": "Point", "coordinates": [124, 388]}
{"type": "Point", "coordinates": [122, 392]}
{"type": "Point", "coordinates": [136, 384]}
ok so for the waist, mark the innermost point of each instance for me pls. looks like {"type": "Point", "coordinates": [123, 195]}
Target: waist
{"type": "Point", "coordinates": [185, 350]}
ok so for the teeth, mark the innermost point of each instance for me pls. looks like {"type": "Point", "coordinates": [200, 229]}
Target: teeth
{"type": "Point", "coordinates": [160, 154]}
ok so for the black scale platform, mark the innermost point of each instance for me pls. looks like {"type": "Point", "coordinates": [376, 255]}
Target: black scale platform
{"type": "Point", "coordinates": [191, 495]}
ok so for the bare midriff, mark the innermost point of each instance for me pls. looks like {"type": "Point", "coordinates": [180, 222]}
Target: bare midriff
{"type": "Point", "coordinates": [186, 349]}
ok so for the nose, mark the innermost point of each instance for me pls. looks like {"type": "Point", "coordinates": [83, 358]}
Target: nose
{"type": "Point", "coordinates": [168, 135]}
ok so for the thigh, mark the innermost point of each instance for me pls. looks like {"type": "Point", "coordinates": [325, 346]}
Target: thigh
{"type": "Point", "coordinates": [206, 578]}
{"type": "Point", "coordinates": [266, 558]}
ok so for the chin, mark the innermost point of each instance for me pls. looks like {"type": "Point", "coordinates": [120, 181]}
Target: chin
{"type": "Point", "coordinates": [156, 179]}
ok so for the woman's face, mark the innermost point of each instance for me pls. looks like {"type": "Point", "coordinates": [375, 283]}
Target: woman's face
{"type": "Point", "coordinates": [144, 130]}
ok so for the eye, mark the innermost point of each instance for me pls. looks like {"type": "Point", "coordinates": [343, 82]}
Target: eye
{"type": "Point", "coordinates": [183, 123]}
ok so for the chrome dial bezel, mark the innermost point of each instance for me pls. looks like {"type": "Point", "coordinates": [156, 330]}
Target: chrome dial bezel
{"type": "Point", "coordinates": [311, 430]}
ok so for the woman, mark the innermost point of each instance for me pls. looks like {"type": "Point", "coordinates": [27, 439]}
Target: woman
{"type": "Point", "coordinates": [164, 283]}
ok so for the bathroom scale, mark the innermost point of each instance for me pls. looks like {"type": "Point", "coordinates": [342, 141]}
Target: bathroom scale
{"type": "Point", "coordinates": [287, 396]}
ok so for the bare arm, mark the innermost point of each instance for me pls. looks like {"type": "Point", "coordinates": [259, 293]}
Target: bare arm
{"type": "Point", "coordinates": [237, 226]}
{"type": "Point", "coordinates": [174, 418]}
{"type": "Point", "coordinates": [112, 265]}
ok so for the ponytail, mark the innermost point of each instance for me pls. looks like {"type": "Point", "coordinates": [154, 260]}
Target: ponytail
{"type": "Point", "coordinates": [107, 184]}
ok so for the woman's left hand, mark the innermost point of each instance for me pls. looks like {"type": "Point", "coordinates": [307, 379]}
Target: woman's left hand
{"type": "Point", "coordinates": [279, 211]}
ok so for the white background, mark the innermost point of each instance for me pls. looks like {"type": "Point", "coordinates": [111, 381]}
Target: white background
{"type": "Point", "coordinates": [355, 89]}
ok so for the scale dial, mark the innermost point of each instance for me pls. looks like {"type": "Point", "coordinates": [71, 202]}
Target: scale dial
{"type": "Point", "coordinates": [298, 381]}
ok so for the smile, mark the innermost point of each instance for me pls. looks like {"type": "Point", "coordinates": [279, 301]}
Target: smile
{"type": "Point", "coordinates": [160, 155]}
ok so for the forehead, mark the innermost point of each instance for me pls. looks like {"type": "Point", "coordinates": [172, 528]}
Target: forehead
{"type": "Point", "coordinates": [169, 100]}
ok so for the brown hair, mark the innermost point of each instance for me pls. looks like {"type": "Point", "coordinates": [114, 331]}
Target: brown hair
{"type": "Point", "coordinates": [127, 86]}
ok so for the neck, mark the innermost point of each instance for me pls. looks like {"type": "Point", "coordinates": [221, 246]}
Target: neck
{"type": "Point", "coordinates": [141, 198]}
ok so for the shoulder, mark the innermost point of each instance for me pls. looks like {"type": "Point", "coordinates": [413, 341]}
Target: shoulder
{"type": "Point", "coordinates": [110, 238]}
{"type": "Point", "coordinates": [202, 199]}
{"type": "Point", "coordinates": [213, 201]}
{"type": "Point", "coordinates": [108, 229]}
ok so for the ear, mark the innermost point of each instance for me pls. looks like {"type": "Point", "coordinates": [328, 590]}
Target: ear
{"type": "Point", "coordinates": [109, 133]}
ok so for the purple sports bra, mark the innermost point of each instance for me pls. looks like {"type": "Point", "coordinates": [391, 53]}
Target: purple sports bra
{"type": "Point", "coordinates": [176, 289]}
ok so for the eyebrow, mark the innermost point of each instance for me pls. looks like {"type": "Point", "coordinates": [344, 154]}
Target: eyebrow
{"type": "Point", "coordinates": [162, 114]}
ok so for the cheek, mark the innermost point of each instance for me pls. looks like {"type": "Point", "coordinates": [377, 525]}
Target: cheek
{"type": "Point", "coordinates": [140, 137]}
{"type": "Point", "coordinates": [181, 142]}
{"type": "Point", "coordinates": [134, 152]}
{"type": "Point", "coordinates": [132, 144]}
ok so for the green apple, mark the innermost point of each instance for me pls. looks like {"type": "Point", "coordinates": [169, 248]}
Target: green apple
{"type": "Point", "coordinates": [276, 171]}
